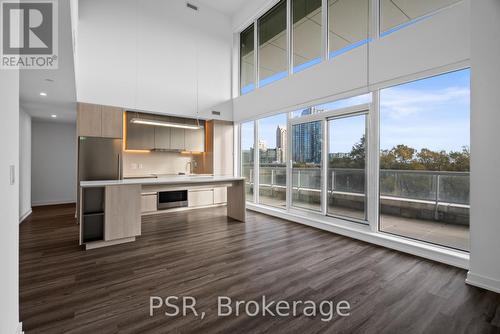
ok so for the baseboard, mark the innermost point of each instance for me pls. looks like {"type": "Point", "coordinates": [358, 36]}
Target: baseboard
{"type": "Point", "coordinates": [19, 328]}
{"type": "Point", "coordinates": [26, 215]}
{"type": "Point", "coordinates": [44, 203]}
{"type": "Point", "coordinates": [483, 282]}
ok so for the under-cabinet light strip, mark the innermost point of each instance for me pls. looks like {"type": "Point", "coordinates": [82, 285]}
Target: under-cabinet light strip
{"type": "Point", "coordinates": [165, 124]}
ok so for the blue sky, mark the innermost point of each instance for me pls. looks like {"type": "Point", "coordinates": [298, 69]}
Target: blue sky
{"type": "Point", "coordinates": [432, 113]}
{"type": "Point", "coordinates": [345, 133]}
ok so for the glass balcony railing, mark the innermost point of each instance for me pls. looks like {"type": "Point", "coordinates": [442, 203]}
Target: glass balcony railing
{"type": "Point", "coordinates": [407, 186]}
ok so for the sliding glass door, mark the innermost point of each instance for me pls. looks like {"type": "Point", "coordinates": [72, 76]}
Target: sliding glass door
{"type": "Point", "coordinates": [347, 166]}
{"type": "Point", "coordinates": [307, 151]}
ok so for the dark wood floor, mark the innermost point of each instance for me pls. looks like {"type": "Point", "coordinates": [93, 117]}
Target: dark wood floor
{"type": "Point", "coordinates": [64, 289]}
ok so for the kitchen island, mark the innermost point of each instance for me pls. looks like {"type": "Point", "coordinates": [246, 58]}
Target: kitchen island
{"type": "Point", "coordinates": [110, 210]}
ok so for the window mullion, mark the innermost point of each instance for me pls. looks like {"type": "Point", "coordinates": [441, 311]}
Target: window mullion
{"type": "Point", "coordinates": [324, 29]}
{"type": "Point", "coordinates": [373, 148]}
{"type": "Point", "coordinates": [289, 37]}
{"type": "Point", "coordinates": [289, 175]}
{"type": "Point", "coordinates": [256, 52]}
{"type": "Point", "coordinates": [256, 163]}
{"type": "Point", "coordinates": [324, 167]}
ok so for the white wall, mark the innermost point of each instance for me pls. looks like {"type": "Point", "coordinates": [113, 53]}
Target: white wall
{"type": "Point", "coordinates": [24, 164]}
{"type": "Point", "coordinates": [151, 55]}
{"type": "Point", "coordinates": [438, 42]}
{"type": "Point", "coordinates": [485, 162]}
{"type": "Point", "coordinates": [9, 202]}
{"type": "Point", "coordinates": [53, 163]}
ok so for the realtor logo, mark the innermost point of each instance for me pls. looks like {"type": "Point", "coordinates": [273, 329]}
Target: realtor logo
{"type": "Point", "coordinates": [29, 34]}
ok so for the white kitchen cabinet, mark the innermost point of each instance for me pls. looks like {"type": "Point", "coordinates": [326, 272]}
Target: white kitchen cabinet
{"type": "Point", "coordinates": [201, 197]}
{"type": "Point", "coordinates": [149, 202]}
{"type": "Point", "coordinates": [220, 195]}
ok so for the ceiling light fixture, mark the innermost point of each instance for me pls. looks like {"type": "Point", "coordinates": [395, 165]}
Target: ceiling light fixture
{"type": "Point", "coordinates": [53, 116]}
{"type": "Point", "coordinates": [165, 124]}
{"type": "Point", "coordinates": [43, 94]}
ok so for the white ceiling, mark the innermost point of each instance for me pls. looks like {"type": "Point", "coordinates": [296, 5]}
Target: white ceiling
{"type": "Point", "coordinates": [227, 7]}
{"type": "Point", "coordinates": [61, 92]}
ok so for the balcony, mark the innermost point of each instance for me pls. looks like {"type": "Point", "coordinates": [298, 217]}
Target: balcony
{"type": "Point", "coordinates": [424, 205]}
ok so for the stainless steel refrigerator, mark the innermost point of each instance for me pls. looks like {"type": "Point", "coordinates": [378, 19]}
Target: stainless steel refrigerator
{"type": "Point", "coordinates": [99, 159]}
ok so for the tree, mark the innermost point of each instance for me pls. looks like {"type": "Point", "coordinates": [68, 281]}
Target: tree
{"type": "Point", "coordinates": [403, 154]}
{"type": "Point", "coordinates": [358, 151]}
{"type": "Point", "coordinates": [460, 161]}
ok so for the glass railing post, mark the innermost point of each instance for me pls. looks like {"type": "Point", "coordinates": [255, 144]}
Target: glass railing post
{"type": "Point", "coordinates": [436, 212]}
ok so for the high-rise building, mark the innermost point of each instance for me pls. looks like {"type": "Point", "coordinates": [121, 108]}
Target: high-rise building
{"type": "Point", "coordinates": [307, 140]}
{"type": "Point", "coordinates": [262, 145]}
{"type": "Point", "coordinates": [281, 146]}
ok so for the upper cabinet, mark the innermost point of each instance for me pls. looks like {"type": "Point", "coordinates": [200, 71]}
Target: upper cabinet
{"type": "Point", "coordinates": [111, 122]}
{"type": "Point", "coordinates": [99, 121]}
{"type": "Point", "coordinates": [168, 138]}
{"type": "Point", "coordinates": [177, 135]}
{"type": "Point", "coordinates": [162, 135]}
{"type": "Point", "coordinates": [89, 120]}
{"type": "Point", "coordinates": [139, 136]}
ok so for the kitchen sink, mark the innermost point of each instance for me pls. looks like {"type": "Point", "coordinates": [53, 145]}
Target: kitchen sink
{"type": "Point", "coordinates": [180, 174]}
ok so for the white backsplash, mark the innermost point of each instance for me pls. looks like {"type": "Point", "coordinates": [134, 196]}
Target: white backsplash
{"type": "Point", "coordinates": [141, 164]}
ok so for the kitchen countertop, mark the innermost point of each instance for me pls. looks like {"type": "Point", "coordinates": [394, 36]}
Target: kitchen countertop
{"type": "Point", "coordinates": [174, 179]}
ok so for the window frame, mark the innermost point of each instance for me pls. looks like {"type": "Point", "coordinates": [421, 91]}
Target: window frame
{"type": "Point", "coordinates": [375, 224]}
{"type": "Point", "coordinates": [364, 113]}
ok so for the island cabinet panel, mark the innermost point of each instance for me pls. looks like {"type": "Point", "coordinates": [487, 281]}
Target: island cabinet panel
{"type": "Point", "coordinates": [139, 136]}
{"type": "Point", "coordinates": [220, 195]}
{"type": "Point", "coordinates": [149, 202]}
{"type": "Point", "coordinates": [112, 122]}
{"type": "Point", "coordinates": [122, 212]}
{"type": "Point", "coordinates": [89, 120]}
{"type": "Point", "coordinates": [202, 197]}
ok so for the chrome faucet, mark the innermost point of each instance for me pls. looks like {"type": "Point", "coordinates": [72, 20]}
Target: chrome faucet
{"type": "Point", "coordinates": [190, 169]}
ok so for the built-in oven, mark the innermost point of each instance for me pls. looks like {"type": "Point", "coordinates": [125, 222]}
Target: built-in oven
{"type": "Point", "coordinates": [172, 199]}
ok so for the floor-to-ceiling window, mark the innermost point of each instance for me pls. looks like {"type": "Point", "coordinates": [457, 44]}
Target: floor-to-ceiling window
{"type": "Point", "coordinates": [272, 37]}
{"type": "Point", "coordinates": [272, 142]}
{"type": "Point", "coordinates": [247, 158]}
{"type": "Point", "coordinates": [247, 60]}
{"type": "Point", "coordinates": [306, 33]}
{"type": "Point", "coordinates": [396, 14]}
{"type": "Point", "coordinates": [347, 166]}
{"type": "Point", "coordinates": [307, 148]}
{"type": "Point", "coordinates": [347, 25]}
{"type": "Point", "coordinates": [425, 159]}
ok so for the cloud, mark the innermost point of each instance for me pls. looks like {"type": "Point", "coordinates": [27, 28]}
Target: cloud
{"type": "Point", "coordinates": [400, 102]}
